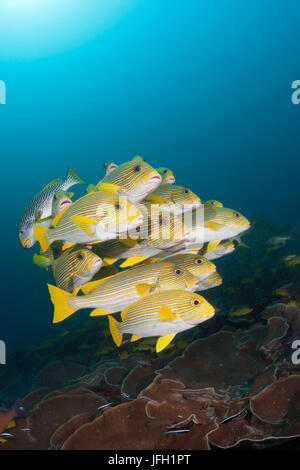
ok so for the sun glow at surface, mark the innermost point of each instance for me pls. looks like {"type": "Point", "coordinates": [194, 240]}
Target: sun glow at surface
{"type": "Point", "coordinates": [35, 28]}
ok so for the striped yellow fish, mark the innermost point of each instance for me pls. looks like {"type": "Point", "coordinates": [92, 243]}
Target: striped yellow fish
{"type": "Point", "coordinates": [109, 167]}
{"type": "Point", "coordinates": [160, 229]}
{"type": "Point", "coordinates": [162, 314]}
{"type": "Point", "coordinates": [114, 293]}
{"type": "Point", "coordinates": [214, 223]}
{"type": "Point", "coordinates": [73, 268]}
{"type": "Point", "coordinates": [213, 202]}
{"type": "Point", "coordinates": [166, 174]}
{"type": "Point", "coordinates": [160, 234]}
{"type": "Point", "coordinates": [136, 177]}
{"type": "Point", "coordinates": [61, 200]}
{"type": "Point", "coordinates": [41, 207]}
{"type": "Point", "coordinates": [176, 199]}
{"type": "Point", "coordinates": [199, 266]}
{"type": "Point", "coordinates": [95, 216]}
{"type": "Point", "coordinates": [213, 280]}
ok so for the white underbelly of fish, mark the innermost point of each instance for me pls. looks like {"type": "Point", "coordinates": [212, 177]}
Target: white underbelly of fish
{"type": "Point", "coordinates": [156, 329]}
{"type": "Point", "coordinates": [112, 303]}
{"type": "Point", "coordinates": [78, 236]}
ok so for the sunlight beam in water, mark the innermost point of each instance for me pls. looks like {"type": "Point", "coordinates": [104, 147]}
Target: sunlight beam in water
{"type": "Point", "coordinates": [31, 29]}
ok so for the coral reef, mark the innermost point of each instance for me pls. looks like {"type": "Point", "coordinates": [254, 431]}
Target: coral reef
{"type": "Point", "coordinates": [228, 384]}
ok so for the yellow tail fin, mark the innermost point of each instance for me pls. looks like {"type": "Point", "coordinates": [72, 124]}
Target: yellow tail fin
{"type": "Point", "coordinates": [113, 326]}
{"type": "Point", "coordinates": [62, 309]}
{"type": "Point", "coordinates": [40, 233]}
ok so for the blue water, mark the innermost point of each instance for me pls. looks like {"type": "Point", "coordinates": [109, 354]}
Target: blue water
{"type": "Point", "coordinates": [203, 87]}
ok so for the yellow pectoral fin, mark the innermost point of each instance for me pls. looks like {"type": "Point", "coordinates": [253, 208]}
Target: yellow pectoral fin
{"type": "Point", "coordinates": [134, 338]}
{"type": "Point", "coordinates": [213, 226]}
{"type": "Point", "coordinates": [212, 245]}
{"type": "Point", "coordinates": [11, 424]}
{"type": "Point", "coordinates": [40, 233]}
{"type": "Point", "coordinates": [3, 440]}
{"type": "Point", "coordinates": [163, 342]}
{"type": "Point", "coordinates": [86, 224]}
{"type": "Point", "coordinates": [166, 314]}
{"type": "Point", "coordinates": [99, 311]}
{"type": "Point", "coordinates": [144, 289]}
{"type": "Point", "coordinates": [41, 261]}
{"type": "Point", "coordinates": [132, 261]}
{"type": "Point", "coordinates": [56, 219]}
{"type": "Point", "coordinates": [108, 187]}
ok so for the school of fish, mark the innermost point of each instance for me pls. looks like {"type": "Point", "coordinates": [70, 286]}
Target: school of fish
{"type": "Point", "coordinates": [156, 238]}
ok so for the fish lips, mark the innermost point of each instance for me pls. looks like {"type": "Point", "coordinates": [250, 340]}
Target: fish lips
{"type": "Point", "coordinates": [154, 181]}
{"type": "Point", "coordinates": [98, 263]}
{"type": "Point", "coordinates": [65, 203]}
{"type": "Point", "coordinates": [27, 243]}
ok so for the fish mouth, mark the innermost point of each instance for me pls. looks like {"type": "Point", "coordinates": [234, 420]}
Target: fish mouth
{"type": "Point", "coordinates": [98, 261]}
{"type": "Point", "coordinates": [155, 180]}
{"type": "Point", "coordinates": [192, 285]}
{"type": "Point", "coordinates": [65, 202]}
{"type": "Point", "coordinates": [26, 243]}
{"type": "Point", "coordinates": [171, 180]}
{"type": "Point", "coordinates": [209, 314]}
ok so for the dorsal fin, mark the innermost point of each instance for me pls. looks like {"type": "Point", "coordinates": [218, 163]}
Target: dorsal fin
{"type": "Point", "coordinates": [52, 183]}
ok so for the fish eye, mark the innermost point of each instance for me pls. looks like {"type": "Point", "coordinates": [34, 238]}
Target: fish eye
{"type": "Point", "coordinates": [137, 168]}
{"type": "Point", "coordinates": [138, 229]}
{"type": "Point", "coordinates": [186, 191]}
{"type": "Point", "coordinates": [165, 171]}
{"type": "Point", "coordinates": [196, 302]}
{"type": "Point", "coordinates": [178, 271]}
{"type": "Point", "coordinates": [80, 256]}
{"type": "Point", "coordinates": [21, 231]}
{"type": "Point", "coordinates": [118, 206]}
{"type": "Point", "coordinates": [199, 261]}
{"type": "Point", "coordinates": [236, 214]}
